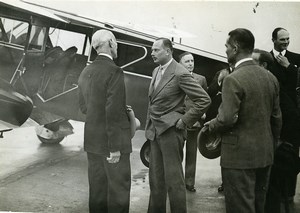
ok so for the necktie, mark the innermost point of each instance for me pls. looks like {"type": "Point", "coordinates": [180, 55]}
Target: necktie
{"type": "Point", "coordinates": [158, 77]}
{"type": "Point", "coordinates": [280, 53]}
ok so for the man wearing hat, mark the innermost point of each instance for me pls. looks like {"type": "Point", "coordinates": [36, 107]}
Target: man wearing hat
{"type": "Point", "coordinates": [249, 120]}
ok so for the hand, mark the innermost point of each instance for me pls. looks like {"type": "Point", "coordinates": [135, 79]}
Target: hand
{"type": "Point", "coordinates": [114, 157]}
{"type": "Point", "coordinates": [283, 61]}
{"type": "Point", "coordinates": [206, 123]}
{"type": "Point", "coordinates": [222, 75]}
{"type": "Point", "coordinates": [128, 108]}
{"type": "Point", "coordinates": [180, 125]}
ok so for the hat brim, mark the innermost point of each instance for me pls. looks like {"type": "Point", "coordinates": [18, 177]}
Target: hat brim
{"type": "Point", "coordinates": [209, 144]}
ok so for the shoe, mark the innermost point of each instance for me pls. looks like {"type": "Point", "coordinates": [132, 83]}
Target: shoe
{"type": "Point", "coordinates": [221, 188]}
{"type": "Point", "coordinates": [190, 188]}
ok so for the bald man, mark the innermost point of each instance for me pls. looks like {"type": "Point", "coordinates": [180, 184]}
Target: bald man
{"type": "Point", "coordinates": [107, 136]}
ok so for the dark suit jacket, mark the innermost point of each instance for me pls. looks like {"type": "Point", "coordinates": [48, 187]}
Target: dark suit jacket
{"type": "Point", "coordinates": [102, 98]}
{"type": "Point", "coordinates": [287, 78]}
{"type": "Point", "coordinates": [201, 80]}
{"type": "Point", "coordinates": [249, 117]}
{"type": "Point", "coordinates": [166, 102]}
{"type": "Point", "coordinates": [214, 91]}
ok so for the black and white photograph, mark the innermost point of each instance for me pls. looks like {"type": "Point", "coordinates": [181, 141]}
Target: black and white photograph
{"type": "Point", "coordinates": [150, 106]}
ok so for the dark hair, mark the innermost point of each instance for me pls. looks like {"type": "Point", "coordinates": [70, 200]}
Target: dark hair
{"type": "Point", "coordinates": [264, 56]}
{"type": "Point", "coordinates": [167, 43]}
{"type": "Point", "coordinates": [183, 54]}
{"type": "Point", "coordinates": [275, 32]}
{"type": "Point", "coordinates": [243, 38]}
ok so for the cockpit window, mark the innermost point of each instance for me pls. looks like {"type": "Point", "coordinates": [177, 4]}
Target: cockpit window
{"type": "Point", "coordinates": [13, 32]}
{"type": "Point", "coordinates": [132, 58]}
{"type": "Point", "coordinates": [66, 39]}
{"type": "Point", "coordinates": [37, 37]}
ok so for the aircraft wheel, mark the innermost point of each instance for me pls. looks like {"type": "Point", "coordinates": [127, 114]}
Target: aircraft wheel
{"type": "Point", "coordinates": [50, 141]}
{"type": "Point", "coordinates": [145, 153]}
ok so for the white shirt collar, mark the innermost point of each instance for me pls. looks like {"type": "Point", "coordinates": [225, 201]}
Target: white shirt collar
{"type": "Point", "coordinates": [276, 53]}
{"type": "Point", "coordinates": [104, 54]}
{"type": "Point", "coordinates": [241, 61]}
{"type": "Point", "coordinates": [164, 67]}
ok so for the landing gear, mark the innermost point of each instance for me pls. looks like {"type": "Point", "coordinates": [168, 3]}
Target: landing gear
{"type": "Point", "coordinates": [55, 132]}
{"type": "Point", "coordinates": [50, 141]}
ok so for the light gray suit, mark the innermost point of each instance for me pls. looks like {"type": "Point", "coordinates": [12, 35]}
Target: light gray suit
{"type": "Point", "coordinates": [249, 119]}
{"type": "Point", "coordinates": [166, 107]}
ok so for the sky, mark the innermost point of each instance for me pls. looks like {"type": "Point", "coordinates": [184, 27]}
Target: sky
{"type": "Point", "coordinates": [207, 21]}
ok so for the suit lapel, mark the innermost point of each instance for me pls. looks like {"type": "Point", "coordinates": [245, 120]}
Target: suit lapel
{"type": "Point", "coordinates": [272, 53]}
{"type": "Point", "coordinates": [288, 54]}
{"type": "Point", "coordinates": [197, 77]}
{"type": "Point", "coordinates": [168, 75]}
{"type": "Point", "coordinates": [151, 88]}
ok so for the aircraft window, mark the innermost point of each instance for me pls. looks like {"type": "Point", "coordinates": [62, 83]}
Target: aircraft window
{"type": "Point", "coordinates": [11, 46]}
{"type": "Point", "coordinates": [37, 37]}
{"type": "Point", "coordinates": [13, 32]}
{"type": "Point", "coordinates": [66, 39]}
{"type": "Point", "coordinates": [128, 53]}
{"type": "Point", "coordinates": [133, 58]}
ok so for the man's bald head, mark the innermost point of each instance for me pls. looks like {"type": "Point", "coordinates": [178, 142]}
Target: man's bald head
{"type": "Point", "coordinates": [104, 41]}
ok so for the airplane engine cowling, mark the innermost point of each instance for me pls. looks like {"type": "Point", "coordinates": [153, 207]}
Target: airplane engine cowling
{"type": "Point", "coordinates": [15, 108]}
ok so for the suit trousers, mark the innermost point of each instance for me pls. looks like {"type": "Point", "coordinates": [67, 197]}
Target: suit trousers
{"type": "Point", "coordinates": [245, 189]}
{"type": "Point", "coordinates": [166, 172]}
{"type": "Point", "coordinates": [191, 156]}
{"type": "Point", "coordinates": [109, 184]}
{"type": "Point", "coordinates": [292, 181]}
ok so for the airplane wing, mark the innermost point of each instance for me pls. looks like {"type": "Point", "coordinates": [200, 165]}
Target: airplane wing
{"type": "Point", "coordinates": [22, 6]}
{"type": "Point", "coordinates": [146, 32]}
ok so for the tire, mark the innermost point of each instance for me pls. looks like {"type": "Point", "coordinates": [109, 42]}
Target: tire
{"type": "Point", "coordinates": [145, 153]}
{"type": "Point", "coordinates": [50, 141]}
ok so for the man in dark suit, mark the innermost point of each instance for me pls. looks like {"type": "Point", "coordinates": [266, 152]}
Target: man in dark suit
{"type": "Point", "coordinates": [286, 68]}
{"type": "Point", "coordinates": [186, 59]}
{"type": "Point", "coordinates": [249, 120]}
{"type": "Point", "coordinates": [107, 136]}
{"type": "Point", "coordinates": [214, 91]}
{"type": "Point", "coordinates": [165, 126]}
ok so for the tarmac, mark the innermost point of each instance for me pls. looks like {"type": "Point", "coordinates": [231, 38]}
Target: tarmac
{"type": "Point", "coordinates": [53, 178]}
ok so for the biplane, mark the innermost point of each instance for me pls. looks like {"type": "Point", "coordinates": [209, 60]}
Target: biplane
{"type": "Point", "coordinates": [42, 53]}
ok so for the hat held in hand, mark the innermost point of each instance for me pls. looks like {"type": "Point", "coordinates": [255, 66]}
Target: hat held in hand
{"type": "Point", "coordinates": [209, 144]}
